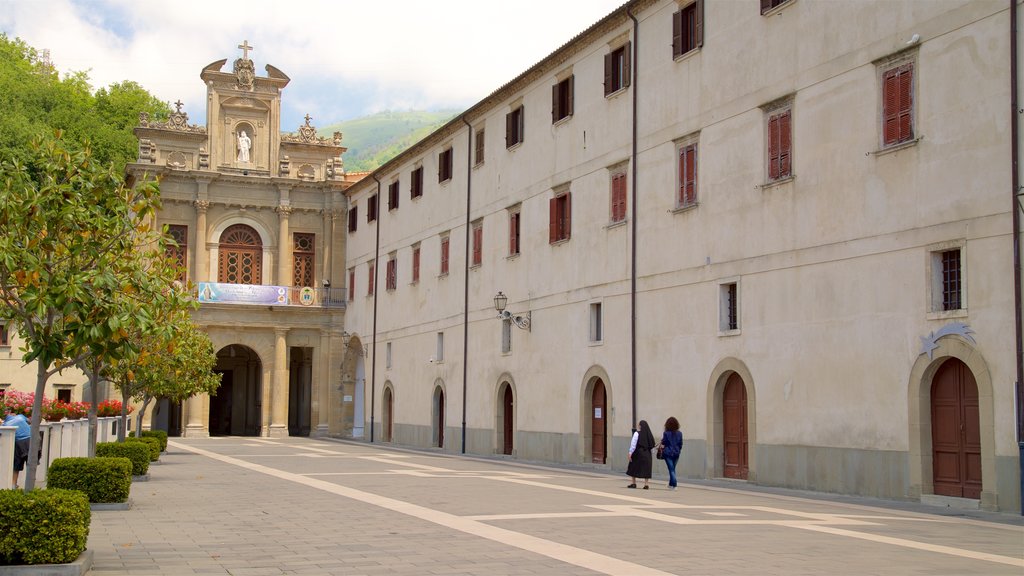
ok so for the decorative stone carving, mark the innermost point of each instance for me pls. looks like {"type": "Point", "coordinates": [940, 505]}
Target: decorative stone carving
{"type": "Point", "coordinates": [284, 210]}
{"type": "Point", "coordinates": [202, 205]}
{"type": "Point", "coordinates": [147, 151]}
{"type": "Point", "coordinates": [204, 158]}
{"type": "Point", "coordinates": [178, 122]}
{"type": "Point", "coordinates": [307, 135]}
{"type": "Point", "coordinates": [306, 172]}
{"type": "Point", "coordinates": [244, 70]}
{"type": "Point", "coordinates": [284, 166]}
{"type": "Point", "coordinates": [144, 119]}
{"type": "Point", "coordinates": [177, 161]}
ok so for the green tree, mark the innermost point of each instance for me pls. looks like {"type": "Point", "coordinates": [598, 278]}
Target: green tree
{"type": "Point", "coordinates": [78, 263]}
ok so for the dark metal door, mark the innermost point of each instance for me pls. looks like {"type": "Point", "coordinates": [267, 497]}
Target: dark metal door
{"type": "Point", "coordinates": [956, 432]}
{"type": "Point", "coordinates": [598, 420]}
{"type": "Point", "coordinates": [734, 422]}
{"type": "Point", "coordinates": [507, 422]}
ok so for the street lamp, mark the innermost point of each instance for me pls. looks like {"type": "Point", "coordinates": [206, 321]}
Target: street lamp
{"type": "Point", "coordinates": [500, 300]}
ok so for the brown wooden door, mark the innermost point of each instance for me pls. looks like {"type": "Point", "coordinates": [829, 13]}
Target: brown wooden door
{"type": "Point", "coordinates": [956, 432]}
{"type": "Point", "coordinates": [389, 406]}
{"type": "Point", "coordinates": [598, 420]}
{"type": "Point", "coordinates": [507, 423]}
{"type": "Point", "coordinates": [241, 256]}
{"type": "Point", "coordinates": [440, 419]}
{"type": "Point", "coordinates": [734, 422]}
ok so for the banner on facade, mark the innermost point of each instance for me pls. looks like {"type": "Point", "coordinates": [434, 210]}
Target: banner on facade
{"type": "Point", "coordinates": [242, 293]}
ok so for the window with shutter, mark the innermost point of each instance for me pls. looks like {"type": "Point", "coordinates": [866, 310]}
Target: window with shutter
{"type": "Point", "coordinates": [479, 142]}
{"type": "Point", "coordinates": [444, 165]}
{"type": "Point", "coordinates": [416, 183]}
{"type": "Point", "coordinates": [769, 5]}
{"type": "Point", "coordinates": [617, 69]}
{"type": "Point", "coordinates": [780, 149]}
{"type": "Point", "coordinates": [353, 219]}
{"type": "Point", "coordinates": [351, 284]}
{"type": "Point", "coordinates": [372, 275]}
{"type": "Point", "coordinates": [513, 233]}
{"type": "Point", "coordinates": [444, 255]}
{"type": "Point", "coordinates": [687, 176]}
{"type": "Point", "coordinates": [5, 338]}
{"type": "Point", "coordinates": [561, 100]}
{"type": "Point", "coordinates": [618, 197]}
{"type": "Point", "coordinates": [514, 127]}
{"type": "Point", "coordinates": [478, 240]}
{"type": "Point", "coordinates": [898, 104]}
{"type": "Point", "coordinates": [560, 218]}
{"type": "Point", "coordinates": [416, 264]}
{"type": "Point", "coordinates": [688, 29]}
{"type": "Point", "coordinates": [393, 195]}
{"type": "Point", "coordinates": [392, 273]}
{"type": "Point", "coordinates": [371, 208]}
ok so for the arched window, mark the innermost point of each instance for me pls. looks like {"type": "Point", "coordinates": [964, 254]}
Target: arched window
{"type": "Point", "coordinates": [241, 256]}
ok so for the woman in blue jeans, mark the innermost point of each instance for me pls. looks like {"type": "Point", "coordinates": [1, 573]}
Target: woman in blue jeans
{"type": "Point", "coordinates": [672, 445]}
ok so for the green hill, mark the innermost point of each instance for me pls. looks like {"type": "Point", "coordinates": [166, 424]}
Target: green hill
{"type": "Point", "coordinates": [373, 140]}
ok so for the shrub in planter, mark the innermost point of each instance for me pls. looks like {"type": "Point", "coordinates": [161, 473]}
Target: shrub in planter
{"type": "Point", "coordinates": [137, 452]}
{"type": "Point", "coordinates": [103, 480]}
{"type": "Point", "coordinates": [153, 443]}
{"type": "Point", "coordinates": [42, 526]}
{"type": "Point", "coordinates": [160, 435]}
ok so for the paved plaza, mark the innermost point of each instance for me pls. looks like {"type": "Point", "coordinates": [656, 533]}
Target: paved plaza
{"type": "Point", "coordinates": [256, 506]}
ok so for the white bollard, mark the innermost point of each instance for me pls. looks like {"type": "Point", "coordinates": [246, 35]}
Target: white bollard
{"type": "Point", "coordinates": [7, 456]}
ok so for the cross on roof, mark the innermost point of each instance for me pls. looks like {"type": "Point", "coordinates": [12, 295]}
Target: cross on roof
{"type": "Point", "coordinates": [245, 49]}
{"type": "Point", "coordinates": [308, 118]}
{"type": "Point", "coordinates": [178, 105]}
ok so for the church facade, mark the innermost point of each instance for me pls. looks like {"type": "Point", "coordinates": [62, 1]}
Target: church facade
{"type": "Point", "coordinates": [787, 223]}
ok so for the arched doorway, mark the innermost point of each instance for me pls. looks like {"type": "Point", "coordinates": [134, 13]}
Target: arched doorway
{"type": "Point", "coordinates": [438, 417]}
{"type": "Point", "coordinates": [240, 259]}
{"type": "Point", "coordinates": [236, 407]}
{"type": "Point", "coordinates": [734, 424]}
{"type": "Point", "coordinates": [598, 423]}
{"type": "Point", "coordinates": [506, 419]}
{"type": "Point", "coordinates": [956, 432]}
{"type": "Point", "coordinates": [387, 420]}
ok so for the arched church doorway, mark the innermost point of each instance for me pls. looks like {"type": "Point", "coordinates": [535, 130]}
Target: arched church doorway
{"type": "Point", "coordinates": [438, 417]}
{"type": "Point", "coordinates": [734, 424]}
{"type": "Point", "coordinates": [235, 408]}
{"type": "Point", "coordinates": [598, 422]}
{"type": "Point", "coordinates": [387, 421]}
{"type": "Point", "coordinates": [506, 419]}
{"type": "Point", "coordinates": [956, 431]}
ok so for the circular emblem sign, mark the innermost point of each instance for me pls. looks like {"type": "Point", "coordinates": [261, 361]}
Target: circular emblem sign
{"type": "Point", "coordinates": [306, 296]}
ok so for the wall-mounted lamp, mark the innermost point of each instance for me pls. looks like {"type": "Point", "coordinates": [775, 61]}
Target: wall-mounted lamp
{"type": "Point", "coordinates": [500, 300]}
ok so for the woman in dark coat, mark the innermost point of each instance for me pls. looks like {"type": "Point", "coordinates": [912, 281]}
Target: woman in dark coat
{"type": "Point", "coordinates": [640, 454]}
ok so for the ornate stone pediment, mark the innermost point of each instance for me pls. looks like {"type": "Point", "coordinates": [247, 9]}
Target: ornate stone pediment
{"type": "Point", "coordinates": [307, 135]}
{"type": "Point", "coordinates": [178, 121]}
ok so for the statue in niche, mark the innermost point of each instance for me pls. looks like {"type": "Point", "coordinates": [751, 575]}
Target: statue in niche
{"type": "Point", "coordinates": [244, 144]}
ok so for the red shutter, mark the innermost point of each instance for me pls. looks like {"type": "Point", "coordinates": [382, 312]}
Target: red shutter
{"type": "Point", "coordinates": [890, 107]}
{"type": "Point", "coordinates": [688, 175]}
{"type": "Point", "coordinates": [619, 198]}
{"type": "Point", "coordinates": [773, 147]}
{"type": "Point", "coordinates": [512, 236]}
{"type": "Point", "coordinates": [627, 64]}
{"type": "Point", "coordinates": [352, 284]}
{"type": "Point", "coordinates": [369, 285]}
{"type": "Point", "coordinates": [785, 144]}
{"type": "Point", "coordinates": [478, 237]}
{"type": "Point", "coordinates": [700, 23]}
{"type": "Point", "coordinates": [608, 88]}
{"type": "Point", "coordinates": [569, 97]}
{"type": "Point", "coordinates": [444, 256]}
{"type": "Point", "coordinates": [416, 265]}
{"type": "Point", "coordinates": [553, 220]}
{"type": "Point", "coordinates": [480, 146]}
{"type": "Point", "coordinates": [567, 217]}
{"type": "Point", "coordinates": [906, 95]}
{"type": "Point", "coordinates": [677, 33]}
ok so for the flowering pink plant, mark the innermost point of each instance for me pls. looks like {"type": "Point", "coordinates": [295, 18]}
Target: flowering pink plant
{"type": "Point", "coordinates": [18, 402]}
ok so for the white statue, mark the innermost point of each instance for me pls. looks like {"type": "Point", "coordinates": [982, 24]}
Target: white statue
{"type": "Point", "coordinates": [244, 143]}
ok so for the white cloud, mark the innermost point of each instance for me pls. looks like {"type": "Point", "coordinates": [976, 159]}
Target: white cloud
{"type": "Point", "coordinates": [345, 58]}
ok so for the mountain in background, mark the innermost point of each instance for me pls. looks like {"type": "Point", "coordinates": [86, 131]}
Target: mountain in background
{"type": "Point", "coordinates": [373, 140]}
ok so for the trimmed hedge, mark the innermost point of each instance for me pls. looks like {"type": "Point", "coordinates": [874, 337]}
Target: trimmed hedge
{"type": "Point", "coordinates": [158, 434]}
{"type": "Point", "coordinates": [103, 480]}
{"type": "Point", "coordinates": [137, 452]}
{"type": "Point", "coordinates": [42, 526]}
{"type": "Point", "coordinates": [152, 442]}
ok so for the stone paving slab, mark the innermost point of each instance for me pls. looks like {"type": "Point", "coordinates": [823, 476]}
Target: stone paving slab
{"type": "Point", "coordinates": [254, 506]}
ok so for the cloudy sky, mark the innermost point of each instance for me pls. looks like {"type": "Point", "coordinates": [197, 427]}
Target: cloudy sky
{"type": "Point", "coordinates": [345, 58]}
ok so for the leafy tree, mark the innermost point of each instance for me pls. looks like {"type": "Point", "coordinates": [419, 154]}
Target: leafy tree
{"type": "Point", "coordinates": [175, 365]}
{"type": "Point", "coordinates": [78, 263]}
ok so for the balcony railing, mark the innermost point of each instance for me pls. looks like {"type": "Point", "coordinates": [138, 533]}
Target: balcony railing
{"type": "Point", "coordinates": [250, 294]}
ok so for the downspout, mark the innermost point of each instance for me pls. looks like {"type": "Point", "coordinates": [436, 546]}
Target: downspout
{"type": "Point", "coordinates": [373, 345]}
{"type": "Point", "coordinates": [465, 304]}
{"type": "Point", "coordinates": [1015, 180]}
{"type": "Point", "coordinates": [632, 279]}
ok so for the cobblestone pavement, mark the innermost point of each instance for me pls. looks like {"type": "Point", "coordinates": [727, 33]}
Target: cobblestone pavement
{"type": "Point", "coordinates": [256, 506]}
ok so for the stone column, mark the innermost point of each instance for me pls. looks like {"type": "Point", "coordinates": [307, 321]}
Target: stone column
{"type": "Point", "coordinates": [195, 407]}
{"type": "Point", "coordinates": [284, 249]}
{"type": "Point", "coordinates": [322, 378]}
{"type": "Point", "coordinates": [328, 235]}
{"type": "Point", "coordinates": [279, 393]}
{"type": "Point", "coordinates": [202, 272]}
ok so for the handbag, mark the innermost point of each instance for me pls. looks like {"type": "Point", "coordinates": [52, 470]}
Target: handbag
{"type": "Point", "coordinates": [660, 454]}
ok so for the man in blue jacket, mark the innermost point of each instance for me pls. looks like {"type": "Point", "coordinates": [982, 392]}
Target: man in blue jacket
{"type": "Point", "coordinates": [21, 440]}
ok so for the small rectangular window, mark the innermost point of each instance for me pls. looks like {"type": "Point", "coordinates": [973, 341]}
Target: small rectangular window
{"type": "Point", "coordinates": [618, 197]}
{"type": "Point", "coordinates": [371, 208]}
{"type": "Point", "coordinates": [416, 263]}
{"type": "Point", "coordinates": [444, 165]}
{"type": "Point", "coordinates": [688, 29]}
{"type": "Point", "coordinates": [768, 5]}
{"type": "Point", "coordinates": [506, 336]}
{"type": "Point", "coordinates": [393, 195]}
{"type": "Point", "coordinates": [560, 218]}
{"type": "Point", "coordinates": [387, 356]}
{"type": "Point", "coordinates": [64, 395]}
{"type": "Point", "coordinates": [514, 127]}
{"type": "Point", "coordinates": [444, 255]}
{"type": "Point", "coordinates": [416, 183]}
{"type": "Point", "coordinates": [513, 232]}
{"type": "Point", "coordinates": [178, 250]}
{"type": "Point", "coordinates": [353, 219]}
{"type": "Point", "coordinates": [371, 267]}
{"type": "Point", "coordinates": [439, 354]}
{"type": "Point", "coordinates": [949, 280]}
{"type": "Point", "coordinates": [5, 336]}
{"type": "Point", "coordinates": [596, 328]}
{"type": "Point", "coordinates": [478, 242]}
{"type": "Point", "coordinates": [617, 69]}
{"type": "Point", "coordinates": [392, 273]}
{"type": "Point", "coordinates": [728, 307]}
{"type": "Point", "coordinates": [479, 141]}
{"type": "Point", "coordinates": [561, 99]}
{"type": "Point", "coordinates": [687, 176]}
{"type": "Point", "coordinates": [351, 284]}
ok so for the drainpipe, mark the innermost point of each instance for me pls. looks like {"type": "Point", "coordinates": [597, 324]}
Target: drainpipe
{"type": "Point", "coordinates": [1015, 179]}
{"type": "Point", "coordinates": [373, 345]}
{"type": "Point", "coordinates": [465, 303]}
{"type": "Point", "coordinates": [632, 279]}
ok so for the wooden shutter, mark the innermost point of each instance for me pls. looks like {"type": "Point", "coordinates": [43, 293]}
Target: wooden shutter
{"type": "Point", "coordinates": [898, 104]}
{"type": "Point", "coordinates": [570, 96]}
{"type": "Point", "coordinates": [480, 146]}
{"type": "Point", "coordinates": [508, 130]}
{"type": "Point", "coordinates": [567, 218]}
{"type": "Point", "coordinates": [618, 197]}
{"type": "Point", "coordinates": [353, 218]}
{"type": "Point", "coordinates": [552, 220]}
{"type": "Point", "coordinates": [369, 284]}
{"type": "Point", "coordinates": [416, 265]}
{"type": "Point", "coordinates": [785, 144]}
{"type": "Point", "coordinates": [444, 255]}
{"type": "Point", "coordinates": [677, 33]}
{"type": "Point", "coordinates": [688, 175]}
{"type": "Point", "coordinates": [773, 147]}
{"type": "Point", "coordinates": [513, 233]}
{"type": "Point", "coordinates": [608, 89]}
{"type": "Point", "coordinates": [627, 64]}
{"type": "Point", "coordinates": [478, 238]}
{"type": "Point", "coordinates": [906, 94]}
{"type": "Point", "coordinates": [700, 23]}
{"type": "Point", "coordinates": [352, 284]}
{"type": "Point", "coordinates": [555, 108]}
{"type": "Point", "coordinates": [392, 274]}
